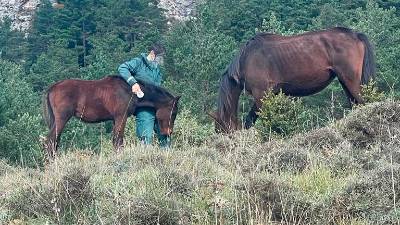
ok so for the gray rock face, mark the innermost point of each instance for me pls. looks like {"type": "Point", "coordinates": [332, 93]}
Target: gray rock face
{"type": "Point", "coordinates": [179, 9]}
{"type": "Point", "coordinates": [19, 11]}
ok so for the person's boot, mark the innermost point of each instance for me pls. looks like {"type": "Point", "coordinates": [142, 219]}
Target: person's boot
{"type": "Point", "coordinates": [57, 5]}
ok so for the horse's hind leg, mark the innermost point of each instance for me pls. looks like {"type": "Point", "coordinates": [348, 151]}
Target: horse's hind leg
{"type": "Point", "coordinates": [55, 134]}
{"type": "Point", "coordinates": [118, 132]}
{"type": "Point", "coordinates": [351, 94]}
{"type": "Point", "coordinates": [349, 72]}
{"type": "Point", "coordinates": [351, 84]}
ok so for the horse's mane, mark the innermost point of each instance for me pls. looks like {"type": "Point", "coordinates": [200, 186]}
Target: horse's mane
{"type": "Point", "coordinates": [226, 103]}
{"type": "Point", "coordinates": [233, 70]}
{"type": "Point", "coordinates": [231, 78]}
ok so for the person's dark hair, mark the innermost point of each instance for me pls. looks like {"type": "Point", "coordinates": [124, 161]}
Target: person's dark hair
{"type": "Point", "coordinates": [157, 48]}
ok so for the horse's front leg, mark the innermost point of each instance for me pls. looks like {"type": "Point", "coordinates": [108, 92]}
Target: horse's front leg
{"type": "Point", "coordinates": [118, 132]}
{"type": "Point", "coordinates": [251, 117]}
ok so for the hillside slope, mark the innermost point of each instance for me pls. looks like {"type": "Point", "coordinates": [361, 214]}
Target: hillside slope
{"type": "Point", "coordinates": [346, 173]}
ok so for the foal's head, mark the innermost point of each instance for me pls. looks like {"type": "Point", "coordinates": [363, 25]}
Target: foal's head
{"type": "Point", "coordinates": [166, 116]}
{"type": "Point", "coordinates": [165, 104]}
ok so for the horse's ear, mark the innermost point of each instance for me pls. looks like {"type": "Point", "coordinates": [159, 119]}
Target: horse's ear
{"type": "Point", "coordinates": [213, 115]}
{"type": "Point", "coordinates": [177, 98]}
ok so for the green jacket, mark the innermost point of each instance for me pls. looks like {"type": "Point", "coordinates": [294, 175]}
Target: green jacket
{"type": "Point", "coordinates": [142, 69]}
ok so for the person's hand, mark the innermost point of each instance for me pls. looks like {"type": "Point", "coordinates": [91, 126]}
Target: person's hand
{"type": "Point", "coordinates": [136, 88]}
{"type": "Point", "coordinates": [57, 5]}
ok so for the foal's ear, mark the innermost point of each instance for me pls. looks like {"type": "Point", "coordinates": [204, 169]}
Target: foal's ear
{"type": "Point", "coordinates": [177, 98]}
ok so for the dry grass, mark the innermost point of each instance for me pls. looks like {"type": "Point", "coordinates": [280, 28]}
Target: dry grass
{"type": "Point", "coordinates": [346, 173]}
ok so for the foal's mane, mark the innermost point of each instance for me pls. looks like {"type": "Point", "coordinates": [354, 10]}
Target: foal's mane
{"type": "Point", "coordinates": [156, 93]}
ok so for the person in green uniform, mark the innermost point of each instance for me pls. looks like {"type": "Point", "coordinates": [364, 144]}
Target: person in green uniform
{"type": "Point", "coordinates": [145, 67]}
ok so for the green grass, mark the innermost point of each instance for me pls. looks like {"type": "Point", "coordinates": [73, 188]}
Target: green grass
{"type": "Point", "coordinates": [318, 183]}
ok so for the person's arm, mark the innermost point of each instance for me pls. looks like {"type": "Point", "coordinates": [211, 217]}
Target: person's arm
{"type": "Point", "coordinates": [128, 69]}
{"type": "Point", "coordinates": [159, 78]}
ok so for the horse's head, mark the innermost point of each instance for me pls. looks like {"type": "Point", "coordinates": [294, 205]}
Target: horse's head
{"type": "Point", "coordinates": [166, 116]}
{"type": "Point", "coordinates": [224, 125]}
{"type": "Point", "coordinates": [165, 104]}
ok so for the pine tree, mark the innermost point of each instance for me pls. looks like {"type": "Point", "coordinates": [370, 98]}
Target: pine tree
{"type": "Point", "coordinates": [13, 45]}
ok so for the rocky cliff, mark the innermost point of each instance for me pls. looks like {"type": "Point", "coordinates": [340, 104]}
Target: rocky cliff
{"type": "Point", "coordinates": [21, 11]}
{"type": "Point", "coordinates": [178, 9]}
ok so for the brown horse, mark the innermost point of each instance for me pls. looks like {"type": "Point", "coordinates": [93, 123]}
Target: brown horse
{"type": "Point", "coordinates": [298, 65]}
{"type": "Point", "coordinates": [95, 101]}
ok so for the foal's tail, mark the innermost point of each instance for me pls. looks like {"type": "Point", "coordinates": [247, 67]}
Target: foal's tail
{"type": "Point", "coordinates": [48, 115]}
{"type": "Point", "coordinates": [369, 65]}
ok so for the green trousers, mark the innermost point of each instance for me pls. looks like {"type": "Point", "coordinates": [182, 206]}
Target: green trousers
{"type": "Point", "coordinates": [146, 123]}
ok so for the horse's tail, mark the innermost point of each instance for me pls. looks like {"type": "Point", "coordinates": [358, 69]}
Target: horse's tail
{"type": "Point", "coordinates": [369, 65]}
{"type": "Point", "coordinates": [48, 115]}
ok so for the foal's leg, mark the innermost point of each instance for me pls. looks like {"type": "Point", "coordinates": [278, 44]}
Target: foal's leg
{"type": "Point", "coordinates": [118, 132]}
